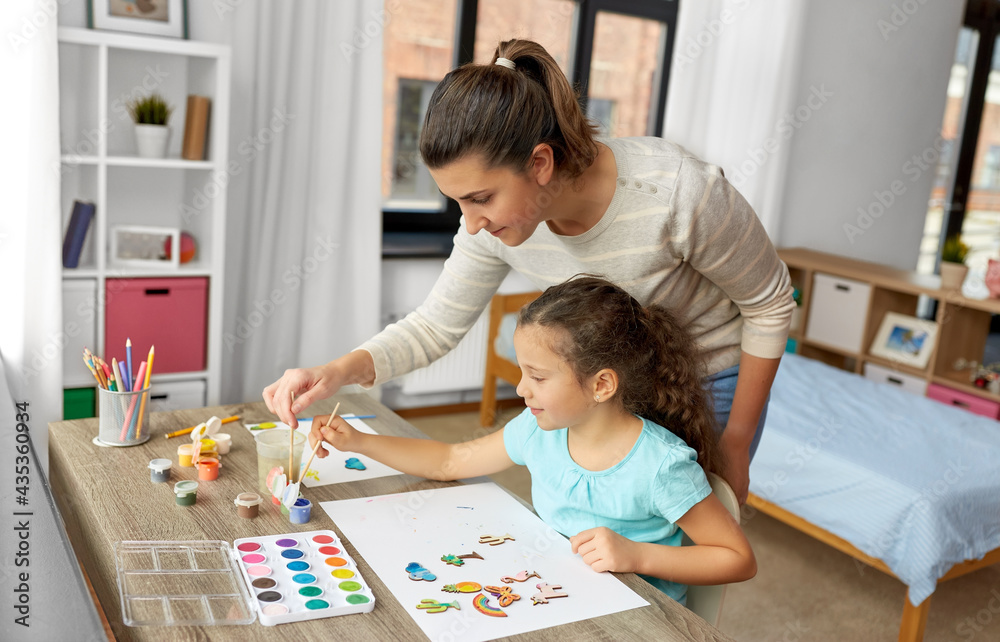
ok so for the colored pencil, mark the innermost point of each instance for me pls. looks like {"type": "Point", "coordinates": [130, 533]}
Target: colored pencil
{"type": "Point", "coordinates": [96, 361]}
{"type": "Point", "coordinates": [128, 364]}
{"type": "Point", "coordinates": [187, 431]}
{"type": "Point", "coordinates": [90, 366]}
{"type": "Point", "coordinates": [113, 375]}
{"type": "Point", "coordinates": [131, 416]}
{"type": "Point", "coordinates": [145, 386]}
{"type": "Point", "coordinates": [127, 387]}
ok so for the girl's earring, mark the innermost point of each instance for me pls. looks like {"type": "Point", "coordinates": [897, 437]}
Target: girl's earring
{"type": "Point", "coordinates": [597, 398]}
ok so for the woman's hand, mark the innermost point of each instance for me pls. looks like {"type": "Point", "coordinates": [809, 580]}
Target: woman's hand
{"type": "Point", "coordinates": [339, 434]}
{"type": "Point", "coordinates": [605, 550]}
{"type": "Point", "coordinates": [307, 384]}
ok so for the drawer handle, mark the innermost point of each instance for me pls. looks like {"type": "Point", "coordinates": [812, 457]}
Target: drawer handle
{"type": "Point", "coordinates": [894, 380]}
{"type": "Point", "coordinates": [157, 397]}
{"type": "Point", "coordinates": [960, 404]}
{"type": "Point", "coordinates": [157, 291]}
{"type": "Point", "coordinates": [843, 288]}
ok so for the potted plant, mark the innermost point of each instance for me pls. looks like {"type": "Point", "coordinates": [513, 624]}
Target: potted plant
{"type": "Point", "coordinates": [152, 133]}
{"type": "Point", "coordinates": [953, 268]}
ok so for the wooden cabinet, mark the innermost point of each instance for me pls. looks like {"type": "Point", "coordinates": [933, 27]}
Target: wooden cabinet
{"type": "Point", "coordinates": [831, 318]}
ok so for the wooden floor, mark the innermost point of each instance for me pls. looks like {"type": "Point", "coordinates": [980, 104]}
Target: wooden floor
{"type": "Point", "coordinates": [805, 591]}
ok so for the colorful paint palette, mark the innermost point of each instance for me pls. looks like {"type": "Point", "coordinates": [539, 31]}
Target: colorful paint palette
{"type": "Point", "coordinates": [302, 576]}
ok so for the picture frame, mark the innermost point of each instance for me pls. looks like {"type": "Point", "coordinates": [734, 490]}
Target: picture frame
{"type": "Point", "coordinates": [905, 339]}
{"type": "Point", "coordinates": [166, 18]}
{"type": "Point", "coordinates": [141, 246]}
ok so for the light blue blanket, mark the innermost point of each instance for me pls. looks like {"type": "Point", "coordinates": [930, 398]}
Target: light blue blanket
{"type": "Point", "coordinates": [905, 479]}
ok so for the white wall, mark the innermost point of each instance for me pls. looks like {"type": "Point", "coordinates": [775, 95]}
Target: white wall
{"type": "Point", "coordinates": [888, 82]}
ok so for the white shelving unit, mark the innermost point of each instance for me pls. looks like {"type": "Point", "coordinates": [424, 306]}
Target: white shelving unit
{"type": "Point", "coordinates": [99, 72]}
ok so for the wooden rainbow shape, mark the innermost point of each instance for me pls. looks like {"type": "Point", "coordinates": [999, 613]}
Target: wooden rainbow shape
{"type": "Point", "coordinates": [482, 604]}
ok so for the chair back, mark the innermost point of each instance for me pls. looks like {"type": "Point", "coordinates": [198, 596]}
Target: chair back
{"type": "Point", "coordinates": [706, 601]}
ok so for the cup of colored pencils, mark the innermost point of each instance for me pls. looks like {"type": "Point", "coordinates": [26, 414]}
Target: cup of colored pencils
{"type": "Point", "coordinates": [122, 399]}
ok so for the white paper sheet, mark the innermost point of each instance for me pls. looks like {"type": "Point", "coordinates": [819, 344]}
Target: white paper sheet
{"type": "Point", "coordinates": [390, 531]}
{"type": "Point", "coordinates": [332, 469]}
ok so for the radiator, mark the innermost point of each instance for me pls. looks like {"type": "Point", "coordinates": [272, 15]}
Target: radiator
{"type": "Point", "coordinates": [460, 369]}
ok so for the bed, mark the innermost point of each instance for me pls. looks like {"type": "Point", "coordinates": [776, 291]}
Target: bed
{"type": "Point", "coordinates": [902, 483]}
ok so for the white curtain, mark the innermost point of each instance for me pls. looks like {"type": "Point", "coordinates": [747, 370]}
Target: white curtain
{"type": "Point", "coordinates": [30, 223]}
{"type": "Point", "coordinates": [304, 212]}
{"type": "Point", "coordinates": [733, 92]}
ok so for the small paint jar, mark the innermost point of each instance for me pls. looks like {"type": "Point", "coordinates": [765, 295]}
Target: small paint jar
{"type": "Point", "coordinates": [184, 453]}
{"type": "Point", "coordinates": [300, 512]}
{"type": "Point", "coordinates": [208, 468]}
{"type": "Point", "coordinates": [159, 470]}
{"type": "Point", "coordinates": [208, 448]}
{"type": "Point", "coordinates": [247, 505]}
{"type": "Point", "coordinates": [186, 493]}
{"type": "Point", "coordinates": [223, 441]}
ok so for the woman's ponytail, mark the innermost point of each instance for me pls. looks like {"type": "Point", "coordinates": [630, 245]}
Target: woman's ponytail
{"type": "Point", "coordinates": [502, 114]}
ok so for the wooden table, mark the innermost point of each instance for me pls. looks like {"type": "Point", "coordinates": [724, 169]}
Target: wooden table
{"type": "Point", "coordinates": [105, 496]}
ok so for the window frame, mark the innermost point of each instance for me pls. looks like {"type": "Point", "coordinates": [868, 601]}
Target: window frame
{"type": "Point", "coordinates": [984, 17]}
{"type": "Point", "coordinates": [411, 233]}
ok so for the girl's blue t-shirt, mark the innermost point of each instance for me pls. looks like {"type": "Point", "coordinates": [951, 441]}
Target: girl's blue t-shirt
{"type": "Point", "coordinates": [641, 497]}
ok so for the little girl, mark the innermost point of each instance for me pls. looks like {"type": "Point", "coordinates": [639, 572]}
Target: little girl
{"type": "Point", "coordinates": [617, 436]}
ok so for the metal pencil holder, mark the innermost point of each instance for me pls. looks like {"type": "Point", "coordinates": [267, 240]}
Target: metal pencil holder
{"type": "Point", "coordinates": [124, 417]}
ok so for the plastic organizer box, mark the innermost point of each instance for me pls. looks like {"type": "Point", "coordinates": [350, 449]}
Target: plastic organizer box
{"type": "Point", "coordinates": [279, 578]}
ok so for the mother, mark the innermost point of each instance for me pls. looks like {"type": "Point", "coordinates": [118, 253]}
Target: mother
{"type": "Point", "coordinates": [540, 194]}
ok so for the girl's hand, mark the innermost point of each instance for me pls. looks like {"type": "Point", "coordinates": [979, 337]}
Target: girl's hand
{"type": "Point", "coordinates": [339, 434]}
{"type": "Point", "coordinates": [307, 384]}
{"type": "Point", "coordinates": [605, 550]}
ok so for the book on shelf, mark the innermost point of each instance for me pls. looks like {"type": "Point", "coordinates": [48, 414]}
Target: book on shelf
{"type": "Point", "coordinates": [76, 232]}
{"type": "Point", "coordinates": [196, 127]}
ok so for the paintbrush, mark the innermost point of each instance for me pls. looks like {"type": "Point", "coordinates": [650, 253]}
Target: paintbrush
{"type": "Point", "coordinates": [329, 419]}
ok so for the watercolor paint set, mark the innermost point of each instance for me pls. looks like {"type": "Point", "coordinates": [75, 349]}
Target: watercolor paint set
{"type": "Point", "coordinates": [302, 576]}
{"type": "Point", "coordinates": [276, 578]}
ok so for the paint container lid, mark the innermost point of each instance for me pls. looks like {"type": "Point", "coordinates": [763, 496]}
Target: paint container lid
{"type": "Point", "coordinates": [185, 449]}
{"type": "Point", "coordinates": [222, 438]}
{"type": "Point", "coordinates": [160, 465]}
{"type": "Point", "coordinates": [206, 429]}
{"type": "Point", "coordinates": [185, 487]}
{"type": "Point", "coordinates": [247, 499]}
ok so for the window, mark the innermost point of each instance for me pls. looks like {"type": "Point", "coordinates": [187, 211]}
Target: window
{"type": "Point", "coordinates": [989, 173]}
{"type": "Point", "coordinates": [412, 186]}
{"type": "Point", "coordinates": [624, 74]}
{"type": "Point", "coordinates": [602, 112]}
{"type": "Point", "coordinates": [966, 197]}
{"type": "Point", "coordinates": [617, 52]}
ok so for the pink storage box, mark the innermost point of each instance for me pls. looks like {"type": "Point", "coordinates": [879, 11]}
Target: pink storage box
{"type": "Point", "coordinates": [170, 313]}
{"type": "Point", "coordinates": [964, 400]}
